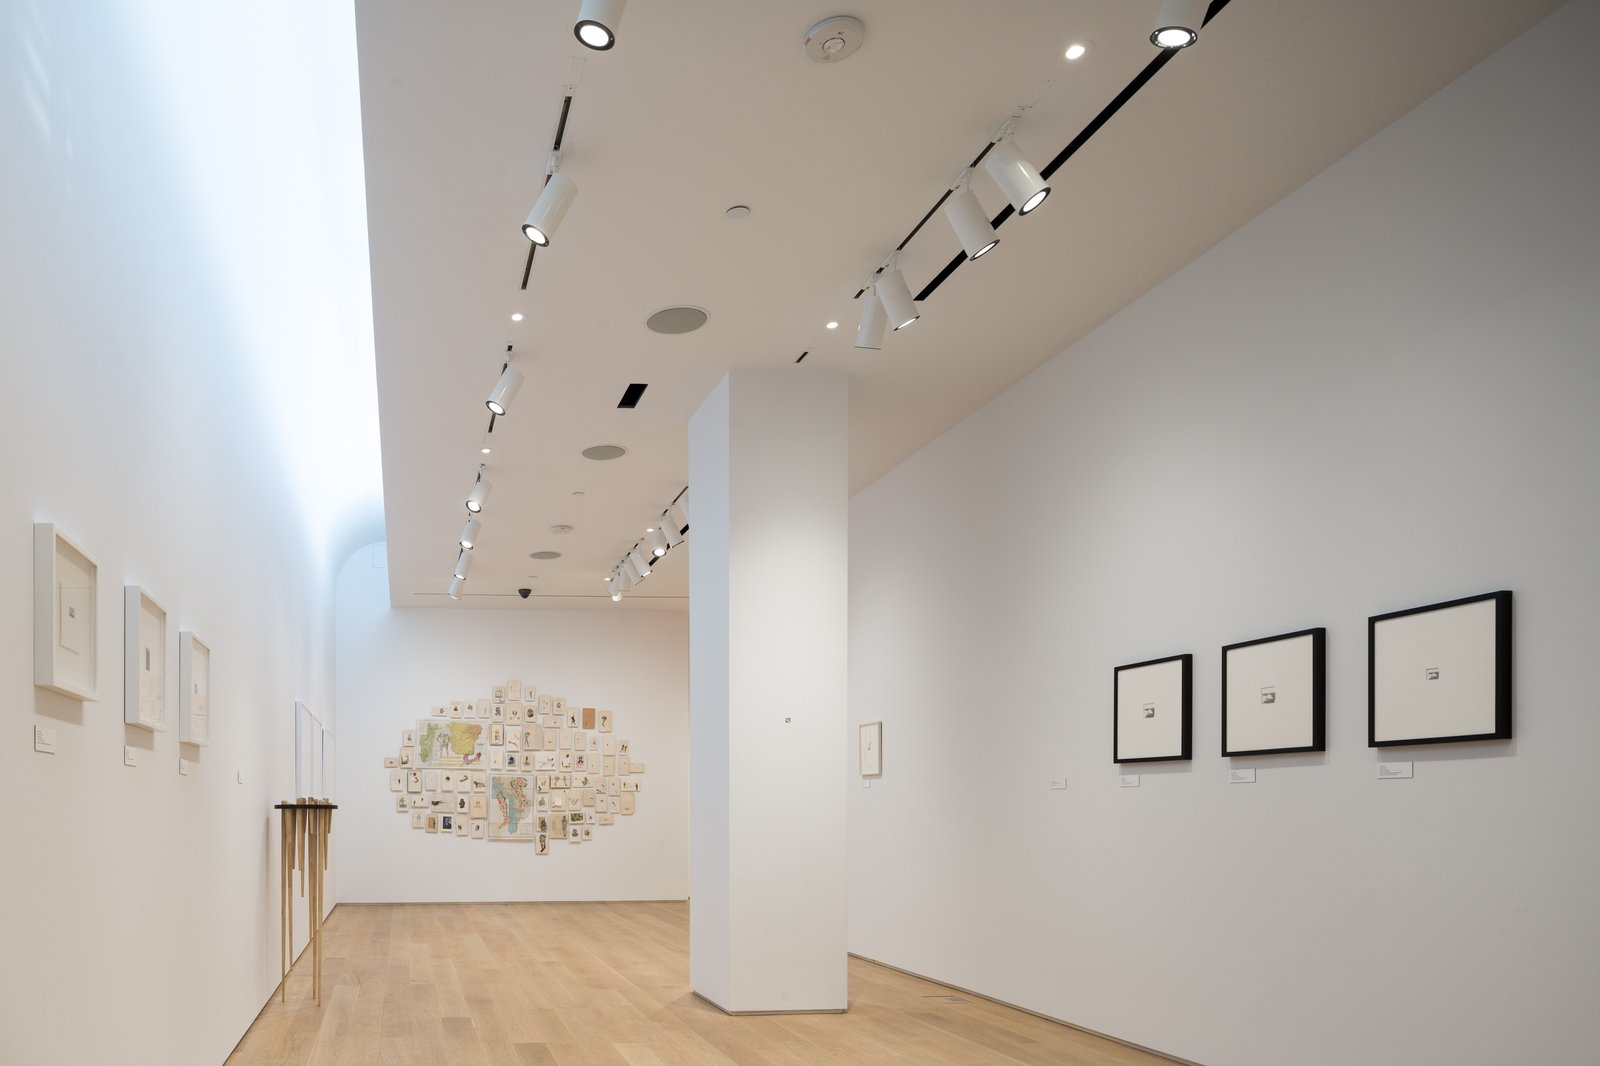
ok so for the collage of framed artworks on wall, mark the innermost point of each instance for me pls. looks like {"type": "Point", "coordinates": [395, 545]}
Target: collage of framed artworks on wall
{"type": "Point", "coordinates": [518, 766]}
{"type": "Point", "coordinates": [1436, 674]}
{"type": "Point", "coordinates": [66, 581]}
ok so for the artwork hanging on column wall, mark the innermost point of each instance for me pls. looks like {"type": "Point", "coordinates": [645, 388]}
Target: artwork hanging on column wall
{"type": "Point", "coordinates": [1273, 694]}
{"type": "Point", "coordinates": [194, 690]}
{"type": "Point", "coordinates": [871, 753]}
{"type": "Point", "coordinates": [65, 583]}
{"type": "Point", "coordinates": [1151, 709]}
{"type": "Point", "coordinates": [144, 679]}
{"type": "Point", "coordinates": [524, 775]}
{"type": "Point", "coordinates": [1440, 673]}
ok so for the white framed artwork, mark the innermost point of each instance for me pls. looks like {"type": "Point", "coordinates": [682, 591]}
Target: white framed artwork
{"type": "Point", "coordinates": [194, 690]}
{"type": "Point", "coordinates": [144, 655]}
{"type": "Point", "coordinates": [870, 754]}
{"type": "Point", "coordinates": [65, 641]}
{"type": "Point", "coordinates": [1440, 673]}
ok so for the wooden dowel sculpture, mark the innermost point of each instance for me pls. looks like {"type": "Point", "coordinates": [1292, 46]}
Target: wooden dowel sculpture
{"type": "Point", "coordinates": [307, 824]}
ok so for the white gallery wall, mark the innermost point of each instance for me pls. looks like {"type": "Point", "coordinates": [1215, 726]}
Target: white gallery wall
{"type": "Point", "coordinates": [395, 664]}
{"type": "Point", "coordinates": [1383, 392]}
{"type": "Point", "coordinates": [162, 186]}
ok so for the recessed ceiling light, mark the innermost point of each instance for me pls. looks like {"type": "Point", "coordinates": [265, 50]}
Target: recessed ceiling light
{"type": "Point", "coordinates": [833, 325]}
{"type": "Point", "coordinates": [603, 452]}
{"type": "Point", "coordinates": [737, 211]}
{"type": "Point", "coordinates": [544, 555]}
{"type": "Point", "coordinates": [516, 316]}
{"type": "Point", "coordinates": [486, 450]}
{"type": "Point", "coordinates": [1077, 50]}
{"type": "Point", "coordinates": [558, 530]}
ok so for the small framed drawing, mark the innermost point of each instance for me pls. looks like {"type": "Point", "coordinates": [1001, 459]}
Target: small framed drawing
{"type": "Point", "coordinates": [1273, 694]}
{"type": "Point", "coordinates": [872, 749]}
{"type": "Point", "coordinates": [194, 689]}
{"type": "Point", "coordinates": [144, 679]}
{"type": "Point", "coordinates": [65, 581]}
{"type": "Point", "coordinates": [1152, 703]}
{"type": "Point", "coordinates": [1440, 673]}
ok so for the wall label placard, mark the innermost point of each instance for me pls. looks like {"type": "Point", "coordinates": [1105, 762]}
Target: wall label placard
{"type": "Point", "coordinates": [44, 740]}
{"type": "Point", "coordinates": [1242, 777]}
{"type": "Point", "coordinates": [1129, 780]}
{"type": "Point", "coordinates": [1391, 771]}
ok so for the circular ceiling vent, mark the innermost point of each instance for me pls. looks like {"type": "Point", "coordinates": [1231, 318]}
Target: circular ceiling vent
{"type": "Point", "coordinates": [544, 555]}
{"type": "Point", "coordinates": [677, 320]}
{"type": "Point", "coordinates": [558, 530]}
{"type": "Point", "coordinates": [602, 452]}
{"type": "Point", "coordinates": [834, 39]}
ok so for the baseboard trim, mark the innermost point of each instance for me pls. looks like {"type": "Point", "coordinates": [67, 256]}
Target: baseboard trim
{"type": "Point", "coordinates": [766, 1013]}
{"type": "Point", "coordinates": [493, 902]}
{"type": "Point", "coordinates": [1025, 1010]}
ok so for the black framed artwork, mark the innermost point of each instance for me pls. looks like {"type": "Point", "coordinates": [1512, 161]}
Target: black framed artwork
{"type": "Point", "coordinates": [1440, 673]}
{"type": "Point", "coordinates": [1274, 694]}
{"type": "Point", "coordinates": [1152, 706]}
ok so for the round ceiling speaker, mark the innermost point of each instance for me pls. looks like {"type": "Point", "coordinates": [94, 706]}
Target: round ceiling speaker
{"type": "Point", "coordinates": [834, 39]}
{"type": "Point", "coordinates": [544, 555]}
{"type": "Point", "coordinates": [677, 320]}
{"type": "Point", "coordinates": [602, 452]}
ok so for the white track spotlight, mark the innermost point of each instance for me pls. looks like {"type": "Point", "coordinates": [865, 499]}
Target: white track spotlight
{"type": "Point", "coordinates": [598, 21]}
{"type": "Point", "coordinates": [669, 528]}
{"type": "Point", "coordinates": [480, 492]}
{"type": "Point", "coordinates": [463, 564]}
{"type": "Point", "coordinates": [873, 321]}
{"type": "Point", "coordinates": [623, 579]}
{"type": "Point", "coordinates": [678, 511]}
{"type": "Point", "coordinates": [455, 588]}
{"type": "Point", "coordinates": [469, 536]}
{"type": "Point", "coordinates": [658, 542]}
{"type": "Point", "coordinates": [505, 390]}
{"type": "Point", "coordinates": [972, 227]}
{"type": "Point", "coordinates": [1017, 177]}
{"type": "Point", "coordinates": [615, 590]}
{"type": "Point", "coordinates": [640, 563]}
{"type": "Point", "coordinates": [630, 571]}
{"type": "Point", "coordinates": [897, 302]}
{"type": "Point", "coordinates": [1178, 25]}
{"type": "Point", "coordinates": [550, 209]}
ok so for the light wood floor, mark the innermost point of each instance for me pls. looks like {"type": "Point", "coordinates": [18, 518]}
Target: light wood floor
{"type": "Point", "coordinates": [606, 984]}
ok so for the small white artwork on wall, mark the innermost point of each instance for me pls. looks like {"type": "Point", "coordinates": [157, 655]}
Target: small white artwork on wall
{"type": "Point", "coordinates": [870, 755]}
{"type": "Point", "coordinates": [144, 694]}
{"type": "Point", "coordinates": [194, 690]}
{"type": "Point", "coordinates": [65, 584]}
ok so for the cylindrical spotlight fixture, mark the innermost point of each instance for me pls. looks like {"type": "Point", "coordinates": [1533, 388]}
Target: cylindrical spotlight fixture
{"type": "Point", "coordinates": [631, 571]}
{"type": "Point", "coordinates": [972, 227]}
{"type": "Point", "coordinates": [597, 23]}
{"type": "Point", "coordinates": [640, 563]}
{"type": "Point", "coordinates": [623, 579]}
{"type": "Point", "coordinates": [1178, 24]}
{"type": "Point", "coordinates": [463, 564]}
{"type": "Point", "coordinates": [658, 542]}
{"type": "Point", "coordinates": [615, 589]}
{"type": "Point", "coordinates": [455, 588]}
{"type": "Point", "coordinates": [505, 390]}
{"type": "Point", "coordinates": [550, 209]}
{"type": "Point", "coordinates": [678, 511]}
{"type": "Point", "coordinates": [873, 320]}
{"type": "Point", "coordinates": [480, 492]}
{"type": "Point", "coordinates": [469, 536]}
{"type": "Point", "coordinates": [1017, 178]}
{"type": "Point", "coordinates": [669, 528]}
{"type": "Point", "coordinates": [897, 302]}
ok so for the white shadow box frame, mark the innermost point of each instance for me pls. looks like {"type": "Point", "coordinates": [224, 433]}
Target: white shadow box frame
{"type": "Point", "coordinates": [1274, 694]}
{"type": "Point", "coordinates": [871, 753]}
{"type": "Point", "coordinates": [1440, 673]}
{"type": "Point", "coordinates": [66, 581]}
{"type": "Point", "coordinates": [144, 658]}
{"type": "Point", "coordinates": [1152, 710]}
{"type": "Point", "coordinates": [194, 690]}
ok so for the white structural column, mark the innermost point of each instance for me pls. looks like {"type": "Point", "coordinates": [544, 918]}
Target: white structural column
{"type": "Point", "coordinates": [768, 603]}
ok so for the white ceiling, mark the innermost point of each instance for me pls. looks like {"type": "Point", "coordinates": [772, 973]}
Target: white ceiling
{"type": "Point", "coordinates": [708, 103]}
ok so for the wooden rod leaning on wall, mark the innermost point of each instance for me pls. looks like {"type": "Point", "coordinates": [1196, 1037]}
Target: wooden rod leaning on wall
{"type": "Point", "coordinates": [306, 825]}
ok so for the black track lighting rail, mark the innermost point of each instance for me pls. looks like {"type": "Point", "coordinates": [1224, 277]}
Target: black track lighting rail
{"type": "Point", "coordinates": [561, 131]}
{"type": "Point", "coordinates": [1151, 69]}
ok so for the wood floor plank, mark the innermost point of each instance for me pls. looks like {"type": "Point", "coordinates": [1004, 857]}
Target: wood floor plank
{"type": "Point", "coordinates": [606, 984]}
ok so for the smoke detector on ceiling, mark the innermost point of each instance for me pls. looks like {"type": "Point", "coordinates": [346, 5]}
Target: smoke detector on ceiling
{"type": "Point", "coordinates": [834, 39]}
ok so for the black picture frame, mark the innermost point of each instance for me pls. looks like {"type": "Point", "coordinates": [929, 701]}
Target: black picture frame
{"type": "Point", "coordinates": [1501, 679]}
{"type": "Point", "coordinates": [1186, 712]}
{"type": "Point", "coordinates": [1319, 690]}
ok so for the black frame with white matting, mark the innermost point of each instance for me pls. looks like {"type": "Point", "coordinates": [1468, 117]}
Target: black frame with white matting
{"type": "Point", "coordinates": [1463, 647]}
{"type": "Point", "coordinates": [1147, 688]}
{"type": "Point", "coordinates": [1287, 673]}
